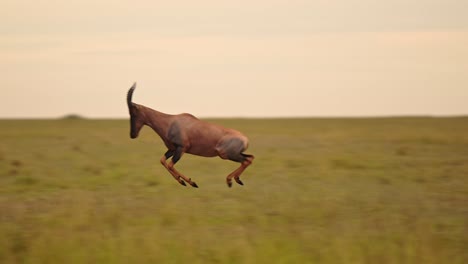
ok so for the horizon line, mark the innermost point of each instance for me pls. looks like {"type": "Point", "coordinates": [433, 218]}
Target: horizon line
{"type": "Point", "coordinates": [81, 117]}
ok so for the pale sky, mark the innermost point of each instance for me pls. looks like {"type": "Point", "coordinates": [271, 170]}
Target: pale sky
{"type": "Point", "coordinates": [257, 58]}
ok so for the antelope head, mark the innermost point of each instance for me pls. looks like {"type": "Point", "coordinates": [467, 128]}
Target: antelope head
{"type": "Point", "coordinates": [136, 115]}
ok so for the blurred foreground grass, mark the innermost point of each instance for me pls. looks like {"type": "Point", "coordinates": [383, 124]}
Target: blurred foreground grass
{"type": "Point", "coordinates": [391, 190]}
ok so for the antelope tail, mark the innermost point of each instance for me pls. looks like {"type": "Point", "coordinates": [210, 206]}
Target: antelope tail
{"type": "Point", "coordinates": [129, 95]}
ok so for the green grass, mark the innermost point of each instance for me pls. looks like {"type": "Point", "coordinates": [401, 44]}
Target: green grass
{"type": "Point", "coordinates": [390, 190]}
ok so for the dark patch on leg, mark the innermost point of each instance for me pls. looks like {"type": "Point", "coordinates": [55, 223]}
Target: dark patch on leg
{"type": "Point", "coordinates": [248, 157]}
{"type": "Point", "coordinates": [169, 153]}
{"type": "Point", "coordinates": [239, 157]}
{"type": "Point", "coordinates": [177, 154]}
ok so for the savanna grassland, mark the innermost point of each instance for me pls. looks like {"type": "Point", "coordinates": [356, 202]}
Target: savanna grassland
{"type": "Point", "coordinates": [388, 190]}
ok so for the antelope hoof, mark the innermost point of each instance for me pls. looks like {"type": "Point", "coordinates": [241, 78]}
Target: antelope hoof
{"type": "Point", "coordinates": [239, 182]}
{"type": "Point", "coordinates": [229, 183]}
{"type": "Point", "coordinates": [183, 183]}
{"type": "Point", "coordinates": [194, 184]}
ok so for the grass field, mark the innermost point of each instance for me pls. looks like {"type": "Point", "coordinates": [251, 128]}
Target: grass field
{"type": "Point", "coordinates": [389, 190]}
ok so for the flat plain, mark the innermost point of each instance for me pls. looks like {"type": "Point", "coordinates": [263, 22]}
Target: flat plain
{"type": "Point", "coordinates": [321, 190]}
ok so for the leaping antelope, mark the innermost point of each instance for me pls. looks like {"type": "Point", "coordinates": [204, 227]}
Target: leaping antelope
{"type": "Point", "coordinates": [185, 133]}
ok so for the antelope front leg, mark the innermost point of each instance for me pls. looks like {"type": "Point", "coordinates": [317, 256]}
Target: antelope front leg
{"type": "Point", "coordinates": [177, 154]}
{"type": "Point", "coordinates": [164, 158]}
{"type": "Point", "coordinates": [188, 180]}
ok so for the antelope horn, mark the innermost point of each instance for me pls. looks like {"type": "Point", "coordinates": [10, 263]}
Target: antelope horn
{"type": "Point", "coordinates": [129, 95]}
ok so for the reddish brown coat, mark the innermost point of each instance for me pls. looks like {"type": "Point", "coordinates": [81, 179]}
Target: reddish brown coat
{"type": "Point", "coordinates": [185, 133]}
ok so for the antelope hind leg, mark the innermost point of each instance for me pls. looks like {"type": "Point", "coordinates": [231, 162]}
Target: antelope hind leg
{"type": "Point", "coordinates": [246, 161]}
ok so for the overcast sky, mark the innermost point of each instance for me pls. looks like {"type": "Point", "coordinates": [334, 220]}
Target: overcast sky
{"type": "Point", "coordinates": [234, 58]}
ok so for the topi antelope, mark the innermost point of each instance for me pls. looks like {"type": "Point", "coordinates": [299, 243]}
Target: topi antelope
{"type": "Point", "coordinates": [185, 133]}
